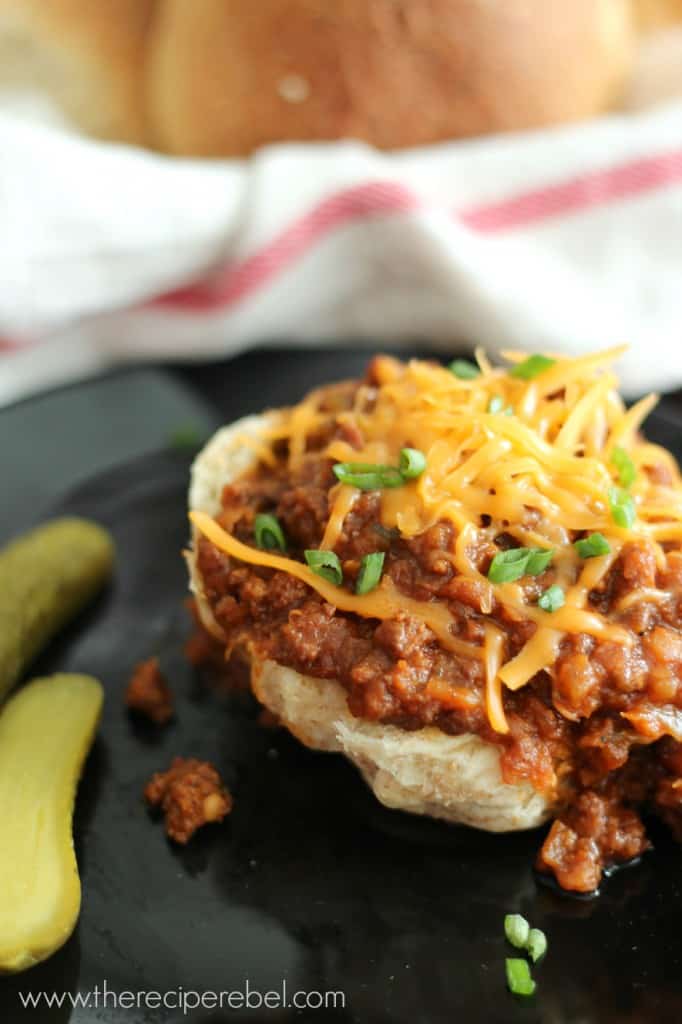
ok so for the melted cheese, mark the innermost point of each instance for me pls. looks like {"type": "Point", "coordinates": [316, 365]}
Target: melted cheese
{"type": "Point", "coordinates": [539, 653]}
{"type": "Point", "coordinates": [342, 502]}
{"type": "Point", "coordinates": [494, 646]}
{"type": "Point", "coordinates": [540, 474]}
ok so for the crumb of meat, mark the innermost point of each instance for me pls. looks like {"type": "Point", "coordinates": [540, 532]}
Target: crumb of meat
{"type": "Point", "coordinates": [148, 692]}
{"type": "Point", "coordinates": [190, 794]}
{"type": "Point", "coordinates": [596, 832]}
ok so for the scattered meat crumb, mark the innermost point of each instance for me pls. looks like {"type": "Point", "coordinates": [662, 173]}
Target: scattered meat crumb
{"type": "Point", "coordinates": [148, 692]}
{"type": "Point", "coordinates": [190, 794]}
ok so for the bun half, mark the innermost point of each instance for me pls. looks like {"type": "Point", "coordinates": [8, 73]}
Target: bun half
{"type": "Point", "coordinates": [426, 771]}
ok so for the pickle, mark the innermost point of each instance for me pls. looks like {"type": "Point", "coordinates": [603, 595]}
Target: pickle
{"type": "Point", "coordinates": [46, 577]}
{"type": "Point", "coordinates": [46, 730]}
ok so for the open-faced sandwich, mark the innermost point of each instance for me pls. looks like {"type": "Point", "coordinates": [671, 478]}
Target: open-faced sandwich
{"type": "Point", "coordinates": [469, 581]}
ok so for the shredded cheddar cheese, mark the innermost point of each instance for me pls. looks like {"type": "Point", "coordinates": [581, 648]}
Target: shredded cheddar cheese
{"type": "Point", "coordinates": [493, 647]}
{"type": "Point", "coordinates": [540, 474]}
{"type": "Point", "coordinates": [343, 499]}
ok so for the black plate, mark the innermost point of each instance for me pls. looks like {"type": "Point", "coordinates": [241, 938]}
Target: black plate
{"type": "Point", "coordinates": [310, 881]}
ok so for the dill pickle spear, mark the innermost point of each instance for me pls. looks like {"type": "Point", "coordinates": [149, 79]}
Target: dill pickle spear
{"type": "Point", "coordinates": [46, 577]}
{"type": "Point", "coordinates": [46, 731]}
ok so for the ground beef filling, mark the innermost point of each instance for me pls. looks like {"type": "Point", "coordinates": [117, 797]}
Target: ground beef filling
{"type": "Point", "coordinates": [396, 672]}
{"type": "Point", "coordinates": [148, 692]}
{"type": "Point", "coordinates": [190, 794]}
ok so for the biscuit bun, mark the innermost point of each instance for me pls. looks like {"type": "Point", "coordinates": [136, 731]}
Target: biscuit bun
{"type": "Point", "coordinates": [456, 778]}
{"type": "Point", "coordinates": [222, 77]}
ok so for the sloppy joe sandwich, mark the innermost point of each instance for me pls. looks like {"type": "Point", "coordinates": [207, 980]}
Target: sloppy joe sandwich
{"type": "Point", "coordinates": [468, 579]}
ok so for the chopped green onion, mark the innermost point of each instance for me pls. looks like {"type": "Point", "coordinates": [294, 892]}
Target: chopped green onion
{"type": "Point", "coordinates": [553, 599]}
{"type": "Point", "coordinates": [593, 546]}
{"type": "Point", "coordinates": [412, 463]}
{"type": "Point", "coordinates": [463, 369]}
{"type": "Point", "coordinates": [511, 565]}
{"type": "Point", "coordinates": [268, 533]}
{"type": "Point", "coordinates": [538, 560]}
{"type": "Point", "coordinates": [624, 465]}
{"type": "Point", "coordinates": [518, 977]}
{"type": "Point", "coordinates": [517, 930]}
{"type": "Point", "coordinates": [186, 437]}
{"type": "Point", "coordinates": [536, 944]}
{"type": "Point", "coordinates": [371, 568]}
{"type": "Point", "coordinates": [325, 564]}
{"type": "Point", "coordinates": [623, 510]}
{"type": "Point", "coordinates": [508, 566]}
{"type": "Point", "coordinates": [531, 367]}
{"type": "Point", "coordinates": [368, 477]}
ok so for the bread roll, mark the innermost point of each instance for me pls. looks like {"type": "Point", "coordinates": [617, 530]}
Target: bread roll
{"type": "Point", "coordinates": [655, 14]}
{"type": "Point", "coordinates": [227, 76]}
{"type": "Point", "coordinates": [222, 77]}
{"type": "Point", "coordinates": [657, 77]}
{"type": "Point", "coordinates": [87, 56]}
{"type": "Point", "coordinates": [456, 778]}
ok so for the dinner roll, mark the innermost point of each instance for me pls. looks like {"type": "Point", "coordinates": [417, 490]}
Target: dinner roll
{"type": "Point", "coordinates": [425, 771]}
{"type": "Point", "coordinates": [227, 76]}
{"type": "Point", "coordinates": [222, 77]}
{"type": "Point", "coordinates": [654, 14]}
{"type": "Point", "coordinates": [87, 56]}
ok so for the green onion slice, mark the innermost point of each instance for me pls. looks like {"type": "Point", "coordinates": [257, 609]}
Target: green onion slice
{"type": "Point", "coordinates": [325, 564]}
{"type": "Point", "coordinates": [517, 930]}
{"type": "Point", "coordinates": [511, 565]}
{"type": "Point", "coordinates": [536, 944]}
{"type": "Point", "coordinates": [519, 978]}
{"type": "Point", "coordinates": [463, 369]}
{"type": "Point", "coordinates": [368, 477]}
{"type": "Point", "coordinates": [538, 560]}
{"type": "Point", "coordinates": [593, 546]}
{"type": "Point", "coordinates": [552, 599]}
{"type": "Point", "coordinates": [623, 510]}
{"type": "Point", "coordinates": [531, 367]}
{"type": "Point", "coordinates": [186, 437]}
{"type": "Point", "coordinates": [412, 463]}
{"type": "Point", "coordinates": [268, 533]}
{"type": "Point", "coordinates": [371, 568]}
{"type": "Point", "coordinates": [624, 465]}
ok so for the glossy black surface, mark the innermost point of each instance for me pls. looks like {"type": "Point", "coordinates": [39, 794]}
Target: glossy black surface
{"type": "Point", "coordinates": [310, 880]}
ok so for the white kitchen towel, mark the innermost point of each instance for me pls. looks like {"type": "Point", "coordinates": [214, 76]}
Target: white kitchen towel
{"type": "Point", "coordinates": [565, 240]}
